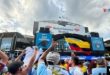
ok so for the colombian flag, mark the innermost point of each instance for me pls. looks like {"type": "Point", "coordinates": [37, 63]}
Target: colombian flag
{"type": "Point", "coordinates": [73, 47]}
{"type": "Point", "coordinates": [78, 43]}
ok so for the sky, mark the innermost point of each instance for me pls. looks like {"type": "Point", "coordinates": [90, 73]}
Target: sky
{"type": "Point", "coordinates": [19, 15]}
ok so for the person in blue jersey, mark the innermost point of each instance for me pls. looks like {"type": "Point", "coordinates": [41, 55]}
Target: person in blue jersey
{"type": "Point", "coordinates": [75, 69]}
{"type": "Point", "coordinates": [100, 69]}
{"type": "Point", "coordinates": [52, 60]}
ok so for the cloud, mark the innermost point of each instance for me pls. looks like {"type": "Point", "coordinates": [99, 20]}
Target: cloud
{"type": "Point", "coordinates": [21, 14]}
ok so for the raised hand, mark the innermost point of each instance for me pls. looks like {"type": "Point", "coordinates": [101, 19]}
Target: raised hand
{"type": "Point", "coordinates": [54, 43]}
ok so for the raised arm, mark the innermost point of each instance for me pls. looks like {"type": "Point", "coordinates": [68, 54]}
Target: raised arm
{"type": "Point", "coordinates": [29, 66]}
{"type": "Point", "coordinates": [43, 56]}
{"type": "Point", "coordinates": [20, 56]}
{"type": "Point", "coordinates": [3, 57]}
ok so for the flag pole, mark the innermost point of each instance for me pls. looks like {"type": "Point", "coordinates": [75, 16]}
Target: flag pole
{"type": "Point", "coordinates": [72, 52]}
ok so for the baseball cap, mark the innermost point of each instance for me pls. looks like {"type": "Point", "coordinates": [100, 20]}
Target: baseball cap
{"type": "Point", "coordinates": [14, 66]}
{"type": "Point", "coordinates": [53, 57]}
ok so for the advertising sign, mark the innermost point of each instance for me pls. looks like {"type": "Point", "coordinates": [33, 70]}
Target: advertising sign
{"type": "Point", "coordinates": [43, 40]}
{"type": "Point", "coordinates": [83, 57]}
{"type": "Point", "coordinates": [97, 44]}
{"type": "Point", "coordinates": [56, 28]}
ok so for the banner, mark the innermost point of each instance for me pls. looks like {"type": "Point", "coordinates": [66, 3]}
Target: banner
{"type": "Point", "coordinates": [43, 40]}
{"type": "Point", "coordinates": [55, 28]}
{"type": "Point", "coordinates": [97, 44]}
{"type": "Point", "coordinates": [83, 57]}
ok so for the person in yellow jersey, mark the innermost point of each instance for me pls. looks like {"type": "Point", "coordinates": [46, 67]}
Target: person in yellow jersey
{"type": "Point", "coordinates": [83, 68]}
{"type": "Point", "coordinates": [63, 64]}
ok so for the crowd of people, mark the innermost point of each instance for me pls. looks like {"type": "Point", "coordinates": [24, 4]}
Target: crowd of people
{"type": "Point", "coordinates": [48, 62]}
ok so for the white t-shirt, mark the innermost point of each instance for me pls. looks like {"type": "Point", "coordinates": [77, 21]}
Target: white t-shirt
{"type": "Point", "coordinates": [76, 71]}
{"type": "Point", "coordinates": [99, 70]}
